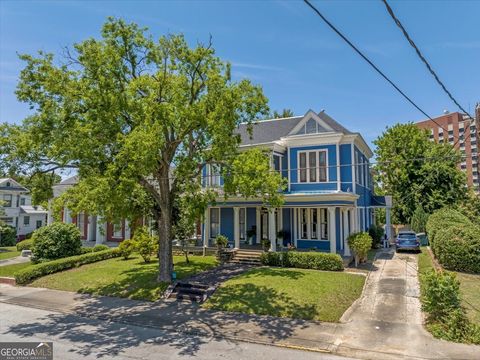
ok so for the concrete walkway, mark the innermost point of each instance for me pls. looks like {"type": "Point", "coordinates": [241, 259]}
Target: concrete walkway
{"type": "Point", "coordinates": [15, 260]}
{"type": "Point", "coordinates": [385, 323]}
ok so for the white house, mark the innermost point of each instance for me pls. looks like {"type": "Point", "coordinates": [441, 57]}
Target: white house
{"type": "Point", "coordinates": [17, 208]}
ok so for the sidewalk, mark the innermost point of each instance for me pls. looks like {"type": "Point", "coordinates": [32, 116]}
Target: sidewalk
{"type": "Point", "coordinates": [370, 329]}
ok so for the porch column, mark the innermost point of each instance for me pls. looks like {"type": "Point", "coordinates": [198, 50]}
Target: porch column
{"type": "Point", "coordinates": [236, 227]}
{"type": "Point", "coordinates": [271, 229]}
{"type": "Point", "coordinates": [294, 234]}
{"type": "Point", "coordinates": [346, 251]}
{"type": "Point", "coordinates": [388, 225]}
{"type": "Point", "coordinates": [101, 231]}
{"type": "Point", "coordinates": [128, 231]}
{"type": "Point", "coordinates": [258, 235]}
{"type": "Point", "coordinates": [67, 219]}
{"type": "Point", "coordinates": [333, 230]}
{"type": "Point", "coordinates": [89, 228]}
{"type": "Point", "coordinates": [352, 214]}
{"type": "Point", "coordinates": [206, 227]}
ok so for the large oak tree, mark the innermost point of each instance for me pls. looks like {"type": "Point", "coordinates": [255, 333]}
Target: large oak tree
{"type": "Point", "coordinates": [139, 119]}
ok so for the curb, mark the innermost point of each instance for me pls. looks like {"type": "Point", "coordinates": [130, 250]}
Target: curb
{"type": "Point", "coordinates": [7, 280]}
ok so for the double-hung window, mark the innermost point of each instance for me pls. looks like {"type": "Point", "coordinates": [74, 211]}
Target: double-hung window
{"type": "Point", "coordinates": [213, 175]}
{"type": "Point", "coordinates": [7, 200]}
{"type": "Point", "coordinates": [81, 226]}
{"type": "Point", "coordinates": [117, 228]}
{"type": "Point", "coordinates": [313, 224]}
{"type": "Point", "coordinates": [312, 166]}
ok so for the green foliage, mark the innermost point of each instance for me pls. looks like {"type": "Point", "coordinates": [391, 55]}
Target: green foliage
{"type": "Point", "coordinates": [221, 241]}
{"type": "Point", "coordinates": [86, 250]}
{"type": "Point", "coordinates": [376, 233]}
{"type": "Point", "coordinates": [419, 220]}
{"type": "Point", "coordinates": [441, 219]}
{"type": "Point", "coordinates": [25, 245]}
{"type": "Point", "coordinates": [32, 272]}
{"type": "Point", "coordinates": [266, 244]}
{"type": "Point", "coordinates": [100, 247]}
{"type": "Point", "coordinates": [360, 243]}
{"type": "Point", "coordinates": [252, 178]}
{"type": "Point", "coordinates": [303, 260]}
{"type": "Point", "coordinates": [457, 247]}
{"type": "Point", "coordinates": [145, 243]}
{"type": "Point", "coordinates": [8, 235]}
{"type": "Point", "coordinates": [55, 241]}
{"type": "Point", "coordinates": [284, 114]}
{"type": "Point", "coordinates": [126, 248]}
{"type": "Point", "coordinates": [122, 109]}
{"type": "Point", "coordinates": [440, 295]}
{"type": "Point", "coordinates": [433, 181]}
{"type": "Point", "coordinates": [470, 207]}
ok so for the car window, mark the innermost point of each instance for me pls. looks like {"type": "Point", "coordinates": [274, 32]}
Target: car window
{"type": "Point", "coordinates": [406, 236]}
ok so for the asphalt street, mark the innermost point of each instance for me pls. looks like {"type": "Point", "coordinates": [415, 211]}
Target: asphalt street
{"type": "Point", "coordinates": [84, 338]}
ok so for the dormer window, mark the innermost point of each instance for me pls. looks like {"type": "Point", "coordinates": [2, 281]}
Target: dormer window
{"type": "Point", "coordinates": [311, 127]}
{"type": "Point", "coordinates": [8, 183]}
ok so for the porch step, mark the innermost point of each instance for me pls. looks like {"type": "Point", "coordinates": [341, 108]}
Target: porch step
{"type": "Point", "coordinates": [247, 257]}
{"type": "Point", "coordinates": [194, 292]}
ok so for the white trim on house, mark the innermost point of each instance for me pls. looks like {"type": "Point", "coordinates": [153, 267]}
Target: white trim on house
{"type": "Point", "coordinates": [309, 115]}
{"type": "Point", "coordinates": [317, 166]}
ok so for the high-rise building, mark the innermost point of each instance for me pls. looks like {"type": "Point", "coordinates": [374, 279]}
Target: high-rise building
{"type": "Point", "coordinates": [451, 127]}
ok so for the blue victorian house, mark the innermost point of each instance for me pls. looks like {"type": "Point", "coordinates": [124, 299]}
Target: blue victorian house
{"type": "Point", "coordinates": [329, 194]}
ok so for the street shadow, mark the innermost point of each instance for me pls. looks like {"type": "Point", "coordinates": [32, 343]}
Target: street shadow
{"type": "Point", "coordinates": [105, 326]}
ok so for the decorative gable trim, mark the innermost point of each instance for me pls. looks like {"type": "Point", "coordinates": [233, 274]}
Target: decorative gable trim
{"type": "Point", "coordinates": [309, 115]}
{"type": "Point", "coordinates": [12, 185]}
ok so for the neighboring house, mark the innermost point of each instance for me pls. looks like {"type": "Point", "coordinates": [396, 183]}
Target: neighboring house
{"type": "Point", "coordinates": [329, 194]}
{"type": "Point", "coordinates": [459, 130]}
{"type": "Point", "coordinates": [92, 228]}
{"type": "Point", "coordinates": [18, 210]}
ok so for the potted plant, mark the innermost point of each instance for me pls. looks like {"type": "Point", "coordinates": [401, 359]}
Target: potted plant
{"type": "Point", "coordinates": [250, 234]}
{"type": "Point", "coordinates": [221, 241]}
{"type": "Point", "coordinates": [266, 244]}
{"type": "Point", "coordinates": [281, 235]}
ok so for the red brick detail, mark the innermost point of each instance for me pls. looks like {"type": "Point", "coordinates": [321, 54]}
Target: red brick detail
{"type": "Point", "coordinates": [7, 280]}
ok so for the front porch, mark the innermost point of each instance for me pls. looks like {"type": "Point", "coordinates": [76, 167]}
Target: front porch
{"type": "Point", "coordinates": [316, 226]}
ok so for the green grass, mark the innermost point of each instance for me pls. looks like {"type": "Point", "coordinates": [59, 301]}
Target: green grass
{"type": "Point", "coordinates": [470, 292]}
{"type": "Point", "coordinates": [293, 293]}
{"type": "Point", "coordinates": [424, 261]}
{"type": "Point", "coordinates": [8, 252]}
{"type": "Point", "coordinates": [371, 254]}
{"type": "Point", "coordinates": [10, 270]}
{"type": "Point", "coordinates": [122, 278]}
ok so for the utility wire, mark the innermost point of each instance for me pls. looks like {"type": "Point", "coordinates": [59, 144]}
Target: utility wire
{"type": "Point", "coordinates": [370, 63]}
{"type": "Point", "coordinates": [420, 55]}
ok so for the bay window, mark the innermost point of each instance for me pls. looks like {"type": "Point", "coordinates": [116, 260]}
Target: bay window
{"type": "Point", "coordinates": [312, 223]}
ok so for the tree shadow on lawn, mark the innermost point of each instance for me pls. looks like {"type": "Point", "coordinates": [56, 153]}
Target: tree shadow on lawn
{"type": "Point", "coordinates": [140, 282]}
{"type": "Point", "coordinates": [109, 326]}
{"type": "Point", "coordinates": [289, 273]}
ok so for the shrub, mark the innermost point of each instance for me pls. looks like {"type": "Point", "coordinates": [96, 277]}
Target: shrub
{"type": "Point", "coordinates": [266, 244]}
{"type": "Point", "coordinates": [458, 248]}
{"type": "Point", "coordinates": [271, 259]}
{"type": "Point", "coordinates": [55, 241]}
{"type": "Point", "coordinates": [221, 241]}
{"type": "Point", "coordinates": [443, 218]}
{"type": "Point", "coordinates": [35, 271]}
{"type": "Point", "coordinates": [145, 243]}
{"type": "Point", "coordinates": [440, 294]}
{"type": "Point", "coordinates": [126, 248]}
{"type": "Point", "coordinates": [360, 243]}
{"type": "Point", "coordinates": [25, 245]}
{"type": "Point", "coordinates": [8, 235]}
{"type": "Point", "coordinates": [303, 260]}
{"type": "Point", "coordinates": [86, 250]}
{"type": "Point", "coordinates": [100, 247]}
{"type": "Point", "coordinates": [376, 233]}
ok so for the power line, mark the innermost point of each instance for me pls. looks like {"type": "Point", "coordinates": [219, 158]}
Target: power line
{"type": "Point", "coordinates": [370, 62]}
{"type": "Point", "coordinates": [420, 55]}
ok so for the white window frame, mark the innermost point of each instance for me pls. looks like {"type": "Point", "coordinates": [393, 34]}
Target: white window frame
{"type": "Point", "coordinates": [213, 179]}
{"type": "Point", "coordinates": [219, 222]}
{"type": "Point", "coordinates": [26, 220]}
{"type": "Point", "coordinates": [115, 231]}
{"type": "Point", "coordinates": [322, 224]}
{"type": "Point", "coordinates": [81, 226]}
{"type": "Point", "coordinates": [7, 203]}
{"type": "Point", "coordinates": [317, 166]}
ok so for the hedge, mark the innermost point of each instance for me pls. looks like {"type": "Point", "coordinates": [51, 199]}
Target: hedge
{"type": "Point", "coordinates": [441, 219]}
{"type": "Point", "coordinates": [8, 235]}
{"type": "Point", "coordinates": [458, 248]}
{"type": "Point", "coordinates": [25, 245]}
{"type": "Point", "coordinates": [56, 241]}
{"type": "Point", "coordinates": [303, 260]}
{"type": "Point", "coordinates": [35, 271]}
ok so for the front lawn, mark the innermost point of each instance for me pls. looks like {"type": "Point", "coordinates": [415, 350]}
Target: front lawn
{"type": "Point", "coordinates": [123, 278]}
{"type": "Point", "coordinates": [294, 293]}
{"type": "Point", "coordinates": [10, 270]}
{"type": "Point", "coordinates": [8, 252]}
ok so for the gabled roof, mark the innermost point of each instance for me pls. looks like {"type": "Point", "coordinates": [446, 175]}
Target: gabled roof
{"type": "Point", "coordinates": [69, 181]}
{"type": "Point", "coordinates": [267, 131]}
{"type": "Point", "coordinates": [13, 185]}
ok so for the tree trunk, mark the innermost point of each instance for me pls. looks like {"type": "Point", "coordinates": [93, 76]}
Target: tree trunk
{"type": "Point", "coordinates": [165, 258]}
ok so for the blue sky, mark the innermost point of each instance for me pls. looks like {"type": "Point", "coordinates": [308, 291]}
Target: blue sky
{"type": "Point", "coordinates": [283, 46]}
